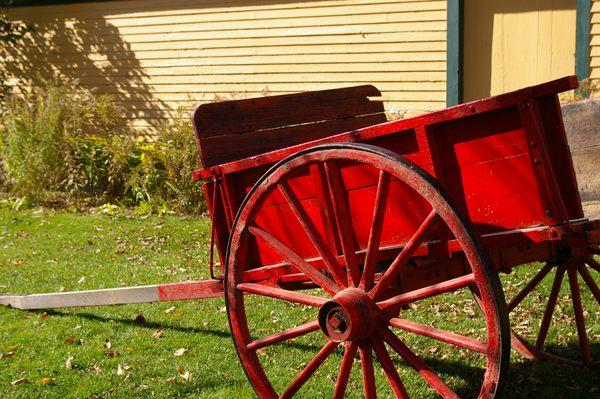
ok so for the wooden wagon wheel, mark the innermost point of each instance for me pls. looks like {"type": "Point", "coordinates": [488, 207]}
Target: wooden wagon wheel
{"type": "Point", "coordinates": [354, 311]}
{"type": "Point", "coordinates": [579, 263]}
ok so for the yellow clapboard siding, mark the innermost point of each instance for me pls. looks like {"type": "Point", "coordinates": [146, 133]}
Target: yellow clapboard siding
{"type": "Point", "coordinates": [58, 55]}
{"type": "Point", "coordinates": [141, 9]}
{"type": "Point", "coordinates": [595, 44]}
{"type": "Point", "coordinates": [389, 32]}
{"type": "Point", "coordinates": [155, 56]}
{"type": "Point", "coordinates": [261, 69]}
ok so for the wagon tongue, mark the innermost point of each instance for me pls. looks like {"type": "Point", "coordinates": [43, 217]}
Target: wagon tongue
{"type": "Point", "coordinates": [117, 296]}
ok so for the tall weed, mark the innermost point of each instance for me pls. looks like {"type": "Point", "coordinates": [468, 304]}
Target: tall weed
{"type": "Point", "coordinates": [61, 145]}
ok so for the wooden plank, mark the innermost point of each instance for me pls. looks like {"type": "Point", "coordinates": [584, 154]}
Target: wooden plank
{"type": "Point", "coordinates": [231, 117]}
{"type": "Point", "coordinates": [117, 296]}
{"type": "Point", "coordinates": [227, 148]}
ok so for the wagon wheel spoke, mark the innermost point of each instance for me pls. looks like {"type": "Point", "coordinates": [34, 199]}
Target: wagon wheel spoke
{"type": "Point", "coordinates": [529, 287]}
{"type": "Point", "coordinates": [311, 230]}
{"type": "Point", "coordinates": [584, 343]}
{"type": "Point", "coordinates": [345, 368]}
{"type": "Point", "coordinates": [403, 257]}
{"type": "Point", "coordinates": [438, 334]}
{"type": "Point", "coordinates": [280, 293]}
{"type": "Point", "coordinates": [281, 336]}
{"type": "Point", "coordinates": [343, 221]}
{"type": "Point", "coordinates": [454, 284]}
{"type": "Point", "coordinates": [541, 339]}
{"type": "Point", "coordinates": [389, 369]}
{"type": "Point", "coordinates": [375, 232]}
{"type": "Point", "coordinates": [417, 364]}
{"type": "Point", "coordinates": [296, 260]}
{"type": "Point", "coordinates": [366, 362]}
{"type": "Point", "coordinates": [589, 280]}
{"type": "Point", "coordinates": [309, 370]}
{"type": "Point", "coordinates": [593, 264]}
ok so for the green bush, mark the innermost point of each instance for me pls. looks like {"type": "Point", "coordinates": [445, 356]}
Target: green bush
{"type": "Point", "coordinates": [64, 146]}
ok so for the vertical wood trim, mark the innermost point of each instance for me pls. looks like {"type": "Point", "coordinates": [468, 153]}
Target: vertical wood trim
{"type": "Point", "coordinates": [582, 44]}
{"type": "Point", "coordinates": [454, 53]}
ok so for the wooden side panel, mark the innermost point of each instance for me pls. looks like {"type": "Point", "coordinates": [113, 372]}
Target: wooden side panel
{"type": "Point", "coordinates": [509, 44]}
{"type": "Point", "coordinates": [156, 56]}
{"type": "Point", "coordinates": [232, 130]}
{"type": "Point", "coordinates": [595, 42]}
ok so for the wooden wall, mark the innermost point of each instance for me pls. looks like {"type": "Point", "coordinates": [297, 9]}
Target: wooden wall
{"type": "Point", "coordinates": [595, 42]}
{"type": "Point", "coordinates": [155, 56]}
{"type": "Point", "coordinates": [509, 44]}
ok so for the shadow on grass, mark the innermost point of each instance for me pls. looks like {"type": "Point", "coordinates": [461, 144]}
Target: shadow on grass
{"type": "Point", "coordinates": [152, 325]}
{"type": "Point", "coordinates": [527, 379]}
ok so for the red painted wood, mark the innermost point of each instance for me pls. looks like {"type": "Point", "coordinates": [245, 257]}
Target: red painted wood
{"type": "Point", "coordinates": [350, 315]}
{"type": "Point", "coordinates": [366, 362]}
{"type": "Point", "coordinates": [309, 370]}
{"type": "Point", "coordinates": [282, 294]}
{"type": "Point", "coordinates": [375, 232]}
{"type": "Point", "coordinates": [281, 336]}
{"type": "Point", "coordinates": [529, 287]}
{"type": "Point", "coordinates": [440, 335]}
{"type": "Point", "coordinates": [389, 369]}
{"type": "Point", "coordinates": [190, 290]}
{"type": "Point", "coordinates": [346, 367]}
{"type": "Point", "coordinates": [584, 343]}
{"type": "Point", "coordinates": [418, 364]}
{"type": "Point", "coordinates": [427, 292]}
{"type": "Point", "coordinates": [558, 278]}
{"type": "Point", "coordinates": [403, 257]}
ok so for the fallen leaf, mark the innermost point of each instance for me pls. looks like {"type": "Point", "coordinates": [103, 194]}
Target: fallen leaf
{"type": "Point", "coordinates": [81, 280]}
{"type": "Point", "coordinates": [43, 315]}
{"type": "Point", "coordinates": [120, 370]}
{"type": "Point", "coordinates": [107, 344]}
{"type": "Point", "coordinates": [171, 379]}
{"type": "Point", "coordinates": [6, 355]}
{"type": "Point", "coordinates": [45, 380]}
{"type": "Point", "coordinates": [19, 381]}
{"type": "Point", "coordinates": [186, 376]}
{"type": "Point", "coordinates": [95, 368]}
{"type": "Point", "coordinates": [157, 334]}
{"type": "Point", "coordinates": [180, 352]}
{"type": "Point", "coordinates": [112, 353]}
{"type": "Point", "coordinates": [170, 310]}
{"type": "Point", "coordinates": [69, 362]}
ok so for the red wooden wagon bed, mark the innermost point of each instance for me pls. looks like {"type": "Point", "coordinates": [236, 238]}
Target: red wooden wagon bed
{"type": "Point", "coordinates": [317, 200]}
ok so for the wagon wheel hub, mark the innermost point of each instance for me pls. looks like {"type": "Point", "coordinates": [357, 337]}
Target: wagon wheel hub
{"type": "Point", "coordinates": [349, 316]}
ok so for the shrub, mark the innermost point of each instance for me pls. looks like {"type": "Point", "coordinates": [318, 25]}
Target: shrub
{"type": "Point", "coordinates": [61, 145]}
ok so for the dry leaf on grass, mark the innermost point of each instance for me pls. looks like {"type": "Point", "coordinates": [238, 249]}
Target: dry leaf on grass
{"type": "Point", "coordinates": [157, 334]}
{"type": "Point", "coordinates": [180, 352]}
{"type": "Point", "coordinates": [69, 362]}
{"type": "Point", "coordinates": [19, 381]}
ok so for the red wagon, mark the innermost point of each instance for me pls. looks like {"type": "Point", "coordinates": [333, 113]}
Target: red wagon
{"type": "Point", "coordinates": [319, 202]}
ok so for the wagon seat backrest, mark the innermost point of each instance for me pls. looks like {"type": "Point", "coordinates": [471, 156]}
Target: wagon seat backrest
{"type": "Point", "coordinates": [231, 130]}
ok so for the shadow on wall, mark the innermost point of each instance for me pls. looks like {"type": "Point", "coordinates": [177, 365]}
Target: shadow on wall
{"type": "Point", "coordinates": [90, 51]}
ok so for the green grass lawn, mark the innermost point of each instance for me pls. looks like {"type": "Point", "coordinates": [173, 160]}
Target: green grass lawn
{"type": "Point", "coordinates": [42, 251]}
